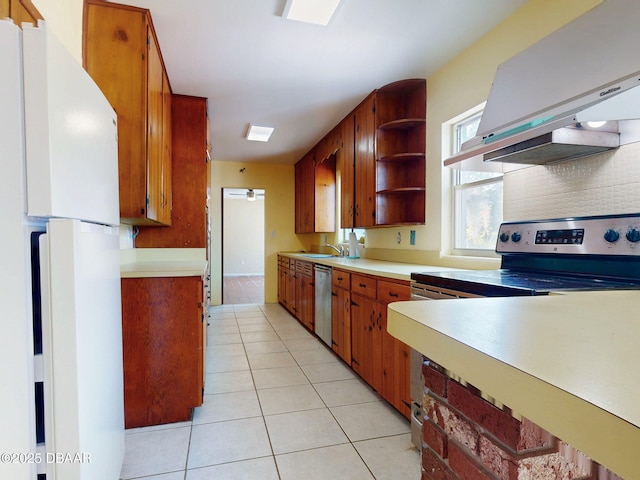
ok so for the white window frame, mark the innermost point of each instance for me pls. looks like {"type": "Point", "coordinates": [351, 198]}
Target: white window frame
{"type": "Point", "coordinates": [452, 188]}
{"type": "Point", "coordinates": [457, 189]}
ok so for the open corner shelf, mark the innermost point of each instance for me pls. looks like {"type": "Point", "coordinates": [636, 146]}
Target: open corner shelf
{"type": "Point", "coordinates": [400, 145]}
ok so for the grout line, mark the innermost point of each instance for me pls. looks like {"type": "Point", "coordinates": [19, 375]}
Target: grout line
{"type": "Point", "coordinates": [265, 314]}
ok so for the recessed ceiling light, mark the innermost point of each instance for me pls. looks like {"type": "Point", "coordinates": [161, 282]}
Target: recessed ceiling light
{"type": "Point", "coordinates": [257, 133]}
{"type": "Point", "coordinates": [318, 12]}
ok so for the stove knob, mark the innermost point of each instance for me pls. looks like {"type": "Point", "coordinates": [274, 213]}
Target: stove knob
{"type": "Point", "coordinates": [504, 237]}
{"type": "Point", "coordinates": [611, 235]}
{"type": "Point", "coordinates": [516, 237]}
{"type": "Point", "coordinates": [633, 235]}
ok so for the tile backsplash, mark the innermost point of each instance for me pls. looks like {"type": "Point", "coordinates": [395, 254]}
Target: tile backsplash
{"type": "Point", "coordinates": [607, 183]}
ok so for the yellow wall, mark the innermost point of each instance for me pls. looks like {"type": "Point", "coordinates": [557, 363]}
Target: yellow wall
{"type": "Point", "coordinates": [465, 82]}
{"type": "Point", "coordinates": [460, 85]}
{"type": "Point", "coordinates": [64, 17]}
{"type": "Point", "coordinates": [277, 181]}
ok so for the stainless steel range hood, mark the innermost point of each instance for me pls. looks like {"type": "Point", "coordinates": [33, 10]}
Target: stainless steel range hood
{"type": "Point", "coordinates": [542, 98]}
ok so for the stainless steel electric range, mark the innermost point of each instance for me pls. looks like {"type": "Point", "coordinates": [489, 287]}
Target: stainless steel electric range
{"type": "Point", "coordinates": [540, 257]}
{"type": "Point", "coordinates": [543, 256]}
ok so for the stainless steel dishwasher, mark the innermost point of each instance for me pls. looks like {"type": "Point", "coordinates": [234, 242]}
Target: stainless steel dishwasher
{"type": "Point", "coordinates": [323, 302]}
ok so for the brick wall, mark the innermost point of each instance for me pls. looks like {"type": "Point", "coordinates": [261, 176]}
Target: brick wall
{"type": "Point", "coordinates": [466, 437]}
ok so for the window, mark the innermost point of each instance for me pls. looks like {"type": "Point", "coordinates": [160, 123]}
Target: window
{"type": "Point", "coordinates": [360, 232]}
{"type": "Point", "coordinates": [477, 199]}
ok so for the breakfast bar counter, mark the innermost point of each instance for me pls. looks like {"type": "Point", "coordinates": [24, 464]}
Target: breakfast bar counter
{"type": "Point", "coordinates": [566, 362]}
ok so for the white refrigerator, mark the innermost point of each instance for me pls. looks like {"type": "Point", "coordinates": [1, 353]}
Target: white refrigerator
{"type": "Point", "coordinates": [61, 400]}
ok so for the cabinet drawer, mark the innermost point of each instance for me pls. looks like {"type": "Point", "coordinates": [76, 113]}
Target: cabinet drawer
{"type": "Point", "coordinates": [341, 279]}
{"type": "Point", "coordinates": [393, 292]}
{"type": "Point", "coordinates": [305, 268]}
{"type": "Point", "coordinates": [363, 285]}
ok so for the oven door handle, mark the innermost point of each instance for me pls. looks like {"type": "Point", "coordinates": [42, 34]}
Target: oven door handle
{"type": "Point", "coordinates": [428, 292]}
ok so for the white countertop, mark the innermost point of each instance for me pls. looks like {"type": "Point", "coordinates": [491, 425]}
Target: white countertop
{"type": "Point", "coordinates": [162, 262]}
{"type": "Point", "coordinates": [396, 270]}
{"type": "Point", "coordinates": [163, 269]}
{"type": "Point", "coordinates": [567, 362]}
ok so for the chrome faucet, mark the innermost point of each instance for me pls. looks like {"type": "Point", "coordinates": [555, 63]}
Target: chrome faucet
{"type": "Point", "coordinates": [339, 250]}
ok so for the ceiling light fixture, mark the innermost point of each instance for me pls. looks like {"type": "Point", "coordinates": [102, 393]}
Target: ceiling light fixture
{"type": "Point", "coordinates": [318, 12]}
{"type": "Point", "coordinates": [256, 133]}
{"type": "Point", "coordinates": [251, 195]}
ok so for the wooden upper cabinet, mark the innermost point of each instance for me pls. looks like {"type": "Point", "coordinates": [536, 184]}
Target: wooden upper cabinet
{"type": "Point", "coordinates": [325, 194]}
{"type": "Point", "coordinates": [304, 194]}
{"type": "Point", "coordinates": [315, 193]}
{"type": "Point", "coordinates": [346, 167]}
{"type": "Point", "coordinates": [190, 178]}
{"type": "Point", "coordinates": [379, 151]}
{"type": "Point", "coordinates": [365, 163]}
{"type": "Point", "coordinates": [19, 11]}
{"type": "Point", "coordinates": [121, 53]}
{"type": "Point", "coordinates": [329, 145]}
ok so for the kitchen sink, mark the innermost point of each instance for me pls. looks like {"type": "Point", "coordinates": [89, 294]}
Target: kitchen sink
{"type": "Point", "coordinates": [317, 255]}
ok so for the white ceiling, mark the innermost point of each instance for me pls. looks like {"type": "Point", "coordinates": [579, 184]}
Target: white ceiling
{"type": "Point", "coordinates": [302, 79]}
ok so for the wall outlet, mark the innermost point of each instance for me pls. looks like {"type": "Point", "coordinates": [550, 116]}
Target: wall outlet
{"type": "Point", "coordinates": [412, 237]}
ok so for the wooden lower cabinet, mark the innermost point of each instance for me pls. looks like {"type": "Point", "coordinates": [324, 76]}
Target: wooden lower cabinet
{"type": "Point", "coordinates": [287, 284]}
{"type": "Point", "coordinates": [364, 312]}
{"type": "Point", "coordinates": [305, 293]}
{"type": "Point", "coordinates": [163, 356]}
{"type": "Point", "coordinates": [379, 358]}
{"type": "Point", "coordinates": [341, 314]}
{"type": "Point", "coordinates": [283, 266]}
{"type": "Point", "coordinates": [358, 325]}
{"type": "Point", "coordinates": [296, 291]}
{"type": "Point", "coordinates": [395, 354]}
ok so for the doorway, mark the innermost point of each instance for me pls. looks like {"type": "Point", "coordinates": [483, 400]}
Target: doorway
{"type": "Point", "coordinates": [242, 245]}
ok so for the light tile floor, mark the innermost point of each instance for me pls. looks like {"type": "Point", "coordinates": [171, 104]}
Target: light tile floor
{"type": "Point", "coordinates": [278, 405]}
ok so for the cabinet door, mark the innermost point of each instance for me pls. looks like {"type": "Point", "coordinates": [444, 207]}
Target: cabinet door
{"type": "Point", "coordinates": [365, 164]}
{"type": "Point", "coordinates": [341, 323]}
{"type": "Point", "coordinates": [280, 281]}
{"type": "Point", "coordinates": [395, 358]}
{"type": "Point", "coordinates": [305, 196]}
{"type": "Point", "coordinates": [290, 291]}
{"type": "Point", "coordinates": [189, 173]}
{"type": "Point", "coordinates": [155, 119]}
{"type": "Point", "coordinates": [402, 377]}
{"type": "Point", "coordinates": [304, 300]}
{"type": "Point", "coordinates": [363, 318]}
{"type": "Point", "coordinates": [116, 59]}
{"type": "Point", "coordinates": [166, 199]}
{"type": "Point", "coordinates": [346, 165]}
{"type": "Point", "coordinates": [324, 198]}
{"type": "Point", "coordinates": [385, 360]}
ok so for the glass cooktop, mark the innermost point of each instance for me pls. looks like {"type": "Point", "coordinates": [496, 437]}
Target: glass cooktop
{"type": "Point", "coordinates": [498, 283]}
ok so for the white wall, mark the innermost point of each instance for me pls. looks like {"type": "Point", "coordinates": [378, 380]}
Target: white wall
{"type": "Point", "coordinates": [243, 237]}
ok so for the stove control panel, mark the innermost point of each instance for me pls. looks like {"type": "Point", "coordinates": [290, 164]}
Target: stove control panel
{"type": "Point", "coordinates": [602, 235]}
